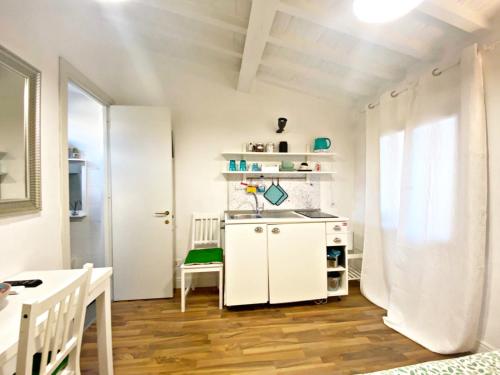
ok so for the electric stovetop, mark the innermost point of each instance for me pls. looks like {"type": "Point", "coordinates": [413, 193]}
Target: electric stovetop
{"type": "Point", "coordinates": [316, 214]}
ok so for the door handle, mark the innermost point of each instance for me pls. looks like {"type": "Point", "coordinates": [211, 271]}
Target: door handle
{"type": "Point", "coordinates": [259, 229]}
{"type": "Point", "coordinates": [162, 214]}
{"type": "Point", "coordinates": [276, 230]}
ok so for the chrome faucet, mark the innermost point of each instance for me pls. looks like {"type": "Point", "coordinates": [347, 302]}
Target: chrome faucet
{"type": "Point", "coordinates": [258, 209]}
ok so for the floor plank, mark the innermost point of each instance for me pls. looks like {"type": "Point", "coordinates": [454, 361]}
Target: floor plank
{"type": "Point", "coordinates": [340, 337]}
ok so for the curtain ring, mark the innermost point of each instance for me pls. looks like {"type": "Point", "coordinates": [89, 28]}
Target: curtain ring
{"type": "Point", "coordinates": [436, 72]}
{"type": "Point", "coordinates": [394, 94]}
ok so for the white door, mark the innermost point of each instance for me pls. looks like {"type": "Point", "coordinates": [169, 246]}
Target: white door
{"type": "Point", "coordinates": [245, 257]}
{"type": "Point", "coordinates": [297, 262]}
{"type": "Point", "coordinates": [141, 179]}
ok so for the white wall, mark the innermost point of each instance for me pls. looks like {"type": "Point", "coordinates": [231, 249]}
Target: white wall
{"type": "Point", "coordinates": [491, 311]}
{"type": "Point", "coordinates": [34, 241]}
{"type": "Point", "coordinates": [86, 132]}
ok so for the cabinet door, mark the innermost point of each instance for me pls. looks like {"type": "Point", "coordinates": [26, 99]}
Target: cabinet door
{"type": "Point", "coordinates": [297, 262]}
{"type": "Point", "coordinates": [246, 264]}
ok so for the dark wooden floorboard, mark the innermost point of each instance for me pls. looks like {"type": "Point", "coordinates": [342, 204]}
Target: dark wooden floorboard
{"type": "Point", "coordinates": [340, 337]}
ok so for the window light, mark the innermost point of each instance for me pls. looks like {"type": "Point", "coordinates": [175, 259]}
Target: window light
{"type": "Point", "coordinates": [380, 11]}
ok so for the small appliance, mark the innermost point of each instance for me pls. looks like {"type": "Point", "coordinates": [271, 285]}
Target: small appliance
{"type": "Point", "coordinates": [259, 147]}
{"type": "Point", "coordinates": [283, 146]}
{"type": "Point", "coordinates": [315, 214]}
{"type": "Point", "coordinates": [322, 144]}
{"type": "Point", "coordinates": [304, 167]}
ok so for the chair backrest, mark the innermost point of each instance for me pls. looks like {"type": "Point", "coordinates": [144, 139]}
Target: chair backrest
{"type": "Point", "coordinates": [61, 333]}
{"type": "Point", "coordinates": [205, 230]}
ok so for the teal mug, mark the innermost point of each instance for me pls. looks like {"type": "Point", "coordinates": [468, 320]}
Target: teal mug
{"type": "Point", "coordinates": [322, 144]}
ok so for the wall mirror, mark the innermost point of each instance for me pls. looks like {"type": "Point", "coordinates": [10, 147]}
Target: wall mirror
{"type": "Point", "coordinates": [19, 136]}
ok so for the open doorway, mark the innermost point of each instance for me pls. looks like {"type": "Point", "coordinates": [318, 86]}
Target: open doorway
{"type": "Point", "coordinates": [85, 187]}
{"type": "Point", "coordinates": [87, 178]}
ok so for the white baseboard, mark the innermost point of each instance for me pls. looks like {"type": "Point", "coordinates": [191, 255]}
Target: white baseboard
{"type": "Point", "coordinates": [483, 347]}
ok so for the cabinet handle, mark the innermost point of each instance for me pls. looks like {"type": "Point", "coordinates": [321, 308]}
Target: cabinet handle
{"type": "Point", "coordinates": [337, 240]}
{"type": "Point", "coordinates": [259, 230]}
{"type": "Point", "coordinates": [276, 230]}
{"type": "Point", "coordinates": [337, 227]}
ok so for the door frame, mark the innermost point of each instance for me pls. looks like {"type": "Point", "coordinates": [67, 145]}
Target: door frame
{"type": "Point", "coordinates": [69, 74]}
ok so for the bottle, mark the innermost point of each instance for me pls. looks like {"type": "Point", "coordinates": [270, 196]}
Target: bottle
{"type": "Point", "coordinates": [261, 187]}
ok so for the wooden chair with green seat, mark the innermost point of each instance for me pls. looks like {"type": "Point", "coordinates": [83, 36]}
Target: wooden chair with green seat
{"type": "Point", "coordinates": [205, 254]}
{"type": "Point", "coordinates": [60, 336]}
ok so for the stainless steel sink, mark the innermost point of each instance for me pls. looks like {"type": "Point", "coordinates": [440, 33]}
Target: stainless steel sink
{"type": "Point", "coordinates": [265, 215]}
{"type": "Point", "coordinates": [244, 216]}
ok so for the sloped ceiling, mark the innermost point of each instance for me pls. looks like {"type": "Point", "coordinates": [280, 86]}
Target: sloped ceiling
{"type": "Point", "coordinates": [313, 46]}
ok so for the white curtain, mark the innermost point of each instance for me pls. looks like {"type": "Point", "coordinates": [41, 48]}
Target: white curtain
{"type": "Point", "coordinates": [426, 199]}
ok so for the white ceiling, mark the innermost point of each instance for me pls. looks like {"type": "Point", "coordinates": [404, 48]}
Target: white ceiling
{"type": "Point", "coordinates": [313, 46]}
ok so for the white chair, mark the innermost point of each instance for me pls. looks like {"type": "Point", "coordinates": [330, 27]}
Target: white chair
{"type": "Point", "coordinates": [60, 336]}
{"type": "Point", "coordinates": [205, 254]}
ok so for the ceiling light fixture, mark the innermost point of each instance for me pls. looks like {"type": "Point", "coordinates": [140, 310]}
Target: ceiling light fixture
{"type": "Point", "coordinates": [381, 11]}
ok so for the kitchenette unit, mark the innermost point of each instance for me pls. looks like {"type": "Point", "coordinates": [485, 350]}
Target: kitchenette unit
{"type": "Point", "coordinates": [284, 256]}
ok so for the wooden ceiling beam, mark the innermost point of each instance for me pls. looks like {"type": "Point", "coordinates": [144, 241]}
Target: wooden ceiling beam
{"type": "Point", "coordinates": [389, 41]}
{"type": "Point", "coordinates": [259, 26]}
{"type": "Point", "coordinates": [454, 14]}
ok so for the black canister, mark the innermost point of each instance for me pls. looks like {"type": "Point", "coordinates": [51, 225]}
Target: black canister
{"type": "Point", "coordinates": [283, 147]}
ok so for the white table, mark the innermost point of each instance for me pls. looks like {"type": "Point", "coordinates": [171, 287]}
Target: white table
{"type": "Point", "coordinates": [10, 315]}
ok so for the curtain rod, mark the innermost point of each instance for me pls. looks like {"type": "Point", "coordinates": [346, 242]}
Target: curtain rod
{"type": "Point", "coordinates": [436, 72]}
{"type": "Point", "coordinates": [491, 46]}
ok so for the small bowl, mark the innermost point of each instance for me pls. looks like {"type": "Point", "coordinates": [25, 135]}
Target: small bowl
{"type": "Point", "coordinates": [4, 292]}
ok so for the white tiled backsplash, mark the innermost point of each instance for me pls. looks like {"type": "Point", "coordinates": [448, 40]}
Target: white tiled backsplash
{"type": "Point", "coordinates": [302, 194]}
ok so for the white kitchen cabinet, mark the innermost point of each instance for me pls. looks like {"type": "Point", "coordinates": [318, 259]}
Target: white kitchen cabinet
{"type": "Point", "coordinates": [297, 262]}
{"type": "Point", "coordinates": [246, 269]}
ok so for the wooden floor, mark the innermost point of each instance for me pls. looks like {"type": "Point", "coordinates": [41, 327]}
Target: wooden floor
{"type": "Point", "coordinates": [340, 337]}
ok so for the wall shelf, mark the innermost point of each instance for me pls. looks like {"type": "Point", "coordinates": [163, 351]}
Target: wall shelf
{"type": "Point", "coordinates": [79, 215]}
{"type": "Point", "coordinates": [281, 173]}
{"type": "Point", "coordinates": [279, 154]}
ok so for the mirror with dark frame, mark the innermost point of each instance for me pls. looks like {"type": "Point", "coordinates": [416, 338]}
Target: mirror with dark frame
{"type": "Point", "coordinates": [20, 190]}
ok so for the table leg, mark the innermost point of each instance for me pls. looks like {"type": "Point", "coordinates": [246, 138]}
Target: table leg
{"type": "Point", "coordinates": [104, 344]}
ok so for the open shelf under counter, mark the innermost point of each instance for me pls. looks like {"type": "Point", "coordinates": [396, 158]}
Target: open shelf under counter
{"type": "Point", "coordinates": [278, 154]}
{"type": "Point", "coordinates": [336, 269]}
{"type": "Point", "coordinates": [338, 293]}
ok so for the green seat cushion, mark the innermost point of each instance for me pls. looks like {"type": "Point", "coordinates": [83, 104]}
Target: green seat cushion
{"type": "Point", "coordinates": [37, 360]}
{"type": "Point", "coordinates": [204, 256]}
